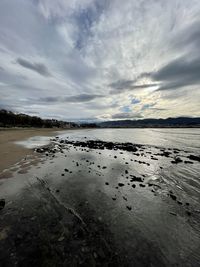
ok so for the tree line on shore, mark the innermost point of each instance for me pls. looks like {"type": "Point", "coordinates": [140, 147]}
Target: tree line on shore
{"type": "Point", "coordinates": [11, 119]}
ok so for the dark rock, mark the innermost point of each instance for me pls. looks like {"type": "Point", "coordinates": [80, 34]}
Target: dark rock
{"type": "Point", "coordinates": [106, 183]}
{"type": "Point", "coordinates": [153, 158]}
{"type": "Point", "coordinates": [188, 213]}
{"type": "Point", "coordinates": [176, 160]}
{"type": "Point", "coordinates": [136, 179]}
{"type": "Point", "coordinates": [193, 157]}
{"type": "Point", "coordinates": [113, 198]}
{"type": "Point", "coordinates": [39, 150]}
{"type": "Point", "coordinates": [172, 213]}
{"type": "Point", "coordinates": [66, 170]}
{"type": "Point", "coordinates": [142, 185]}
{"type": "Point", "coordinates": [126, 171]}
{"type": "Point", "coordinates": [129, 207]}
{"type": "Point", "coordinates": [120, 184]}
{"type": "Point", "coordinates": [133, 185]}
{"type": "Point", "coordinates": [2, 203]}
{"type": "Point", "coordinates": [187, 161]}
{"type": "Point", "coordinates": [172, 196]}
{"type": "Point", "coordinates": [166, 154]}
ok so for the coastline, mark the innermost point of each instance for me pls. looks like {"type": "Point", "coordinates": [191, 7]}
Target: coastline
{"type": "Point", "coordinates": [84, 198]}
{"type": "Point", "coordinates": [12, 153]}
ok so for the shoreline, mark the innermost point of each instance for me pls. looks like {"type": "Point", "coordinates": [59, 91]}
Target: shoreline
{"type": "Point", "coordinates": [87, 197]}
{"type": "Point", "coordinates": [12, 153]}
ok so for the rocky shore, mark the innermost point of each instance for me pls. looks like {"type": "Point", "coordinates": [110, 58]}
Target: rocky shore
{"type": "Point", "coordinates": [97, 203]}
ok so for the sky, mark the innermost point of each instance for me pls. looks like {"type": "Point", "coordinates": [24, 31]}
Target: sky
{"type": "Point", "coordinates": [87, 60]}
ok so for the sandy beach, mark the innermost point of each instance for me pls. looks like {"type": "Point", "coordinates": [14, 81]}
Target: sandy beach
{"type": "Point", "coordinates": [12, 153]}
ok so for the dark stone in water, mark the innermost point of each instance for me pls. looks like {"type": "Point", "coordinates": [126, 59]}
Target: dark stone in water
{"type": "Point", "coordinates": [106, 183]}
{"type": "Point", "coordinates": [39, 150]}
{"type": "Point", "coordinates": [66, 170]}
{"type": "Point", "coordinates": [142, 185]}
{"type": "Point", "coordinates": [102, 145]}
{"type": "Point", "coordinates": [166, 154]}
{"type": "Point", "coordinates": [129, 207]}
{"type": "Point", "coordinates": [193, 157]}
{"type": "Point", "coordinates": [176, 160]}
{"type": "Point", "coordinates": [153, 158]}
{"type": "Point", "coordinates": [136, 179]}
{"type": "Point", "coordinates": [172, 196]}
{"type": "Point", "coordinates": [120, 184]}
{"type": "Point", "coordinates": [2, 203]}
{"type": "Point", "coordinates": [187, 161]}
{"type": "Point", "coordinates": [188, 213]}
{"type": "Point", "coordinates": [133, 185]}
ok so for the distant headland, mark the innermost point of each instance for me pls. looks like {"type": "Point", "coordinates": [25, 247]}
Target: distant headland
{"type": "Point", "coordinates": [10, 119]}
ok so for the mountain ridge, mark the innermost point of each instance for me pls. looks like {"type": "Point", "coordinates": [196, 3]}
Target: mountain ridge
{"type": "Point", "coordinates": [170, 122]}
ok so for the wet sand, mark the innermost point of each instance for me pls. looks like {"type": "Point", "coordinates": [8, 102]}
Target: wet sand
{"type": "Point", "coordinates": [93, 203]}
{"type": "Point", "coordinates": [11, 153]}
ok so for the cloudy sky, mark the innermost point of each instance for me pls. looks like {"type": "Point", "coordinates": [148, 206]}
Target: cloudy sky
{"type": "Point", "coordinates": [100, 59]}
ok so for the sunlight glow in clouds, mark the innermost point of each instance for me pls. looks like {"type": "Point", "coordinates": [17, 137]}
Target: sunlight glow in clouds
{"type": "Point", "coordinates": [108, 59]}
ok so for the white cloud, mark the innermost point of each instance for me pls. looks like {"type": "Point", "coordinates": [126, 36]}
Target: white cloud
{"type": "Point", "coordinates": [83, 46]}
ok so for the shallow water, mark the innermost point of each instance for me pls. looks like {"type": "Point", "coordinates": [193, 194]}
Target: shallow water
{"type": "Point", "coordinates": [175, 138]}
{"type": "Point", "coordinates": [155, 229]}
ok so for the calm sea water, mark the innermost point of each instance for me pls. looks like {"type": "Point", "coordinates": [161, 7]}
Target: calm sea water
{"type": "Point", "coordinates": [174, 138]}
{"type": "Point", "coordinates": [156, 226]}
{"type": "Point", "coordinates": [184, 139]}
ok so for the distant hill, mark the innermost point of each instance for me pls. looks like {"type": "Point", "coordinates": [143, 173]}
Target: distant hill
{"type": "Point", "coordinates": [10, 119]}
{"type": "Point", "coordinates": [153, 123]}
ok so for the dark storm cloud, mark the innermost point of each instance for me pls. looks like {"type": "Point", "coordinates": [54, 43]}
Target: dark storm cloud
{"type": "Point", "coordinates": [178, 73]}
{"type": "Point", "coordinates": [185, 70]}
{"type": "Point", "coordinates": [127, 85]}
{"type": "Point", "coordinates": [71, 99]}
{"type": "Point", "coordinates": [189, 37]}
{"type": "Point", "coordinates": [126, 115]}
{"type": "Point", "coordinates": [121, 84]}
{"type": "Point", "coordinates": [37, 67]}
